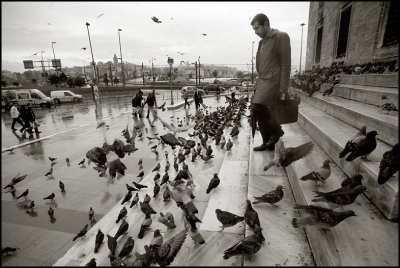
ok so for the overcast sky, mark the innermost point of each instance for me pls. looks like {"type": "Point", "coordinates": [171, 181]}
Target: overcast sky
{"type": "Point", "coordinates": [29, 27]}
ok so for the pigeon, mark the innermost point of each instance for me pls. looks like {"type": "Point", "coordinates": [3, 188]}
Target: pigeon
{"type": "Point", "coordinates": [145, 259]}
{"type": "Point", "coordinates": [229, 145]}
{"type": "Point", "coordinates": [167, 165]}
{"type": "Point", "coordinates": [82, 162]}
{"type": "Point", "coordinates": [176, 166]}
{"type": "Point", "coordinates": [157, 177]}
{"type": "Point", "coordinates": [155, 19]}
{"type": "Point", "coordinates": [284, 157]}
{"type": "Point", "coordinates": [112, 244]}
{"type": "Point", "coordinates": [320, 175]}
{"type": "Point", "coordinates": [50, 197]}
{"type": "Point", "coordinates": [321, 217]}
{"type": "Point", "coordinates": [6, 251]}
{"type": "Point", "coordinates": [98, 241]}
{"type": "Point", "coordinates": [388, 107]}
{"type": "Point", "coordinates": [213, 183]}
{"type": "Point", "coordinates": [167, 220]}
{"type": "Point", "coordinates": [91, 263]}
{"type": "Point", "coordinates": [24, 194]}
{"type": "Point", "coordinates": [50, 212]}
{"type": "Point", "coordinates": [127, 197]}
{"type": "Point", "coordinates": [135, 200]}
{"type": "Point", "coordinates": [364, 147]}
{"type": "Point", "coordinates": [271, 197]}
{"type": "Point", "coordinates": [130, 188]}
{"type": "Point", "coordinates": [352, 182]}
{"type": "Point", "coordinates": [146, 208]}
{"type": "Point", "coordinates": [67, 160]}
{"type": "Point", "coordinates": [50, 172]}
{"type": "Point", "coordinates": [82, 233]}
{"type": "Point", "coordinates": [248, 245]}
{"type": "Point", "coordinates": [164, 179]}
{"type": "Point", "coordinates": [119, 148]}
{"type": "Point", "coordinates": [116, 166]}
{"type": "Point", "coordinates": [223, 142]}
{"type": "Point", "coordinates": [140, 162]}
{"type": "Point", "coordinates": [153, 147]}
{"type": "Point", "coordinates": [209, 151]}
{"type": "Point", "coordinates": [342, 198]}
{"type": "Point", "coordinates": [205, 158]}
{"type": "Point", "coordinates": [52, 158]}
{"type": "Point", "coordinates": [227, 219]}
{"type": "Point", "coordinates": [146, 199]}
{"type": "Point", "coordinates": [156, 190]}
{"type": "Point", "coordinates": [122, 213]}
{"type": "Point", "coordinates": [389, 164]}
{"type": "Point", "coordinates": [166, 253]}
{"type": "Point", "coordinates": [91, 214]}
{"type": "Point", "coordinates": [145, 226]}
{"type": "Point", "coordinates": [350, 144]}
{"type": "Point", "coordinates": [100, 15]}
{"type": "Point", "coordinates": [127, 247]}
{"type": "Point", "coordinates": [157, 240]}
{"type": "Point", "coordinates": [139, 186]}
{"type": "Point", "coordinates": [30, 206]}
{"type": "Point", "coordinates": [251, 216]}
{"type": "Point", "coordinates": [204, 34]}
{"type": "Point", "coordinates": [97, 155]}
{"type": "Point", "coordinates": [141, 174]}
{"type": "Point", "coordinates": [166, 194]}
{"type": "Point", "coordinates": [123, 228]}
{"type": "Point", "coordinates": [189, 215]}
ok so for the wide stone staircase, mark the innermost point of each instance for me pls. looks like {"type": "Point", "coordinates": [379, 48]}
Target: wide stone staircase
{"type": "Point", "coordinates": [368, 239]}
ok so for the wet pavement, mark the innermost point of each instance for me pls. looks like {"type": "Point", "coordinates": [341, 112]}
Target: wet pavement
{"type": "Point", "coordinates": [68, 131]}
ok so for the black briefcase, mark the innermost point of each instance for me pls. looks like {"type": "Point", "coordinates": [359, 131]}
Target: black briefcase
{"type": "Point", "coordinates": [287, 111]}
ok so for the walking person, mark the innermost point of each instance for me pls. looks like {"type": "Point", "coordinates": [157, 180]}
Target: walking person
{"type": "Point", "coordinates": [273, 61]}
{"type": "Point", "coordinates": [15, 117]}
{"type": "Point", "coordinates": [201, 101]}
{"type": "Point", "coordinates": [218, 92]}
{"type": "Point", "coordinates": [32, 118]}
{"type": "Point", "coordinates": [196, 97]}
{"type": "Point", "coordinates": [24, 117]}
{"type": "Point", "coordinates": [186, 96]}
{"type": "Point", "coordinates": [137, 105]}
{"type": "Point", "coordinates": [151, 104]}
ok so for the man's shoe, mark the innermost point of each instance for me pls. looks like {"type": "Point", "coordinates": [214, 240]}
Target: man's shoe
{"type": "Point", "coordinates": [271, 142]}
{"type": "Point", "coordinates": [262, 147]}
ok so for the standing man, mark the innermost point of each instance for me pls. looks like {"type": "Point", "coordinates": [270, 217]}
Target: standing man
{"type": "Point", "coordinates": [15, 117]}
{"type": "Point", "coordinates": [186, 96]}
{"type": "Point", "coordinates": [273, 61]}
{"type": "Point", "coordinates": [151, 102]}
{"type": "Point", "coordinates": [197, 97]}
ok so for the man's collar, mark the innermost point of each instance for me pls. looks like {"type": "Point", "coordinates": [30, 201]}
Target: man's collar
{"type": "Point", "coordinates": [271, 33]}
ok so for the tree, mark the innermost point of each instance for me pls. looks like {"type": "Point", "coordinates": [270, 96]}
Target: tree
{"type": "Point", "coordinates": [53, 79]}
{"type": "Point", "coordinates": [70, 81]}
{"type": "Point", "coordinates": [116, 80]}
{"type": "Point", "coordinates": [239, 74]}
{"type": "Point", "coordinates": [15, 83]}
{"type": "Point", "coordinates": [34, 81]}
{"type": "Point", "coordinates": [79, 81]}
{"type": "Point", "coordinates": [63, 78]}
{"type": "Point", "coordinates": [215, 73]}
{"type": "Point", "coordinates": [190, 76]}
{"type": "Point", "coordinates": [105, 79]}
{"type": "Point", "coordinates": [3, 83]}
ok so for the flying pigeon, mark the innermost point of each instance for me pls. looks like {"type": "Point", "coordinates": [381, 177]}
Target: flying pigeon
{"type": "Point", "coordinates": [389, 164]}
{"type": "Point", "coordinates": [227, 219]}
{"type": "Point", "coordinates": [116, 166]}
{"type": "Point", "coordinates": [100, 15]}
{"type": "Point", "coordinates": [204, 34]}
{"type": "Point", "coordinates": [284, 157]}
{"type": "Point", "coordinates": [213, 183]}
{"type": "Point", "coordinates": [82, 233]}
{"type": "Point", "coordinates": [364, 147]}
{"type": "Point", "coordinates": [98, 241]}
{"type": "Point", "coordinates": [84, 48]}
{"type": "Point", "coordinates": [166, 253]}
{"type": "Point", "coordinates": [320, 175]}
{"type": "Point", "coordinates": [248, 245]}
{"type": "Point", "coordinates": [155, 19]}
{"type": "Point", "coordinates": [271, 197]}
{"type": "Point", "coordinates": [321, 217]}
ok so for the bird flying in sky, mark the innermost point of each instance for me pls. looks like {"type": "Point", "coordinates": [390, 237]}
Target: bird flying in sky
{"type": "Point", "coordinates": [204, 34]}
{"type": "Point", "coordinates": [182, 53]}
{"type": "Point", "coordinates": [155, 19]}
{"type": "Point", "coordinates": [100, 15]}
{"type": "Point", "coordinates": [84, 48]}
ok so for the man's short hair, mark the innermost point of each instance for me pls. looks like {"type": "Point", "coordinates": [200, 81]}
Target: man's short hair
{"type": "Point", "coordinates": [261, 19]}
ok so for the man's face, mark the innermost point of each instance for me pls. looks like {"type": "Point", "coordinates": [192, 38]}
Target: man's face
{"type": "Point", "coordinates": [260, 30]}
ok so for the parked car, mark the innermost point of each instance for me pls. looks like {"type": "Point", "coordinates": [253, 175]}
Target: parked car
{"type": "Point", "coordinates": [213, 88]}
{"type": "Point", "coordinates": [65, 96]}
{"type": "Point", "coordinates": [190, 90]}
{"type": "Point", "coordinates": [25, 96]}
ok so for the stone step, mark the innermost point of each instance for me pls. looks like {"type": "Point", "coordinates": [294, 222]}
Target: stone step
{"type": "Point", "coordinates": [332, 134]}
{"type": "Point", "coordinates": [357, 115]}
{"type": "Point", "coordinates": [283, 244]}
{"type": "Point", "coordinates": [351, 242]}
{"type": "Point", "coordinates": [377, 80]}
{"type": "Point", "coordinates": [367, 94]}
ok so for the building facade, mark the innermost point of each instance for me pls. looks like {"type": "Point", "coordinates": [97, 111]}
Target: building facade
{"type": "Point", "coordinates": [352, 32]}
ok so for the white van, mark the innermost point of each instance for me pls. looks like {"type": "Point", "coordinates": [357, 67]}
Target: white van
{"type": "Point", "coordinates": [65, 96]}
{"type": "Point", "coordinates": [25, 96]}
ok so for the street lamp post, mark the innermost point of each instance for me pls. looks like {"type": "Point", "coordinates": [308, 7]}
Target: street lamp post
{"type": "Point", "coordinates": [43, 69]}
{"type": "Point", "coordinates": [152, 69]}
{"type": "Point", "coordinates": [54, 55]}
{"type": "Point", "coordinates": [301, 45]}
{"type": "Point", "coordinates": [91, 51]}
{"type": "Point", "coordinates": [199, 73]}
{"type": "Point", "coordinates": [252, 64]}
{"type": "Point", "coordinates": [122, 63]}
{"type": "Point", "coordinates": [171, 62]}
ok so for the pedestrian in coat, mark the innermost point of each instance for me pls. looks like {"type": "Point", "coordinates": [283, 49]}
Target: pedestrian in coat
{"type": "Point", "coordinates": [15, 117]}
{"type": "Point", "coordinates": [273, 61]}
{"type": "Point", "coordinates": [25, 119]}
{"type": "Point", "coordinates": [32, 118]}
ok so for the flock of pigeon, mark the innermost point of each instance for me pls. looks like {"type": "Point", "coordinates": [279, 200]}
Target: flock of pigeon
{"type": "Point", "coordinates": [209, 127]}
